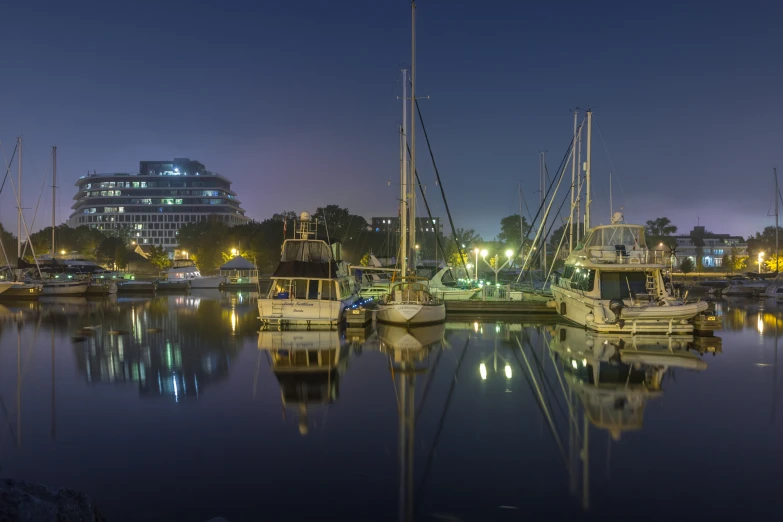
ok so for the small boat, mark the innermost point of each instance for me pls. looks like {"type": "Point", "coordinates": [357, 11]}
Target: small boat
{"type": "Point", "coordinates": [13, 290]}
{"type": "Point", "coordinates": [453, 284]}
{"type": "Point", "coordinates": [410, 303]}
{"type": "Point", "coordinates": [136, 287]}
{"type": "Point", "coordinates": [101, 288]}
{"type": "Point", "coordinates": [173, 285]}
{"type": "Point", "coordinates": [744, 287]}
{"type": "Point", "coordinates": [185, 270]}
{"type": "Point", "coordinates": [64, 287]}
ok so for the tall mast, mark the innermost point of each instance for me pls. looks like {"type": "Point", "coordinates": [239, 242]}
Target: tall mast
{"type": "Point", "coordinates": [54, 194]}
{"type": "Point", "coordinates": [413, 136]}
{"type": "Point", "coordinates": [543, 187]}
{"type": "Point", "coordinates": [587, 171]}
{"type": "Point", "coordinates": [521, 222]}
{"type": "Point", "coordinates": [573, 188]}
{"type": "Point", "coordinates": [579, 186]}
{"type": "Point", "coordinates": [404, 177]}
{"type": "Point", "coordinates": [777, 263]}
{"type": "Point", "coordinates": [19, 200]}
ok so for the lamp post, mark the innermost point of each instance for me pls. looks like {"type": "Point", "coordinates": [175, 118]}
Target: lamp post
{"type": "Point", "coordinates": [496, 269]}
{"type": "Point", "coordinates": [234, 252]}
{"type": "Point", "coordinates": [761, 254]}
{"type": "Point", "coordinates": [476, 251]}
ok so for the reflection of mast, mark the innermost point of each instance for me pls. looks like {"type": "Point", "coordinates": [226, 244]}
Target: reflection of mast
{"type": "Point", "coordinates": [18, 385]}
{"type": "Point", "coordinates": [54, 416]}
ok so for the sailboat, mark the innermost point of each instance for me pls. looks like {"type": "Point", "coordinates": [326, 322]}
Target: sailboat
{"type": "Point", "coordinates": [775, 288]}
{"type": "Point", "coordinates": [409, 301]}
{"type": "Point", "coordinates": [60, 284]}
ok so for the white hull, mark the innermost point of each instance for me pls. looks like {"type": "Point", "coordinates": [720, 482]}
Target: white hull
{"type": "Point", "coordinates": [5, 285]}
{"type": "Point", "coordinates": [65, 288]}
{"type": "Point", "coordinates": [653, 319]}
{"type": "Point", "coordinates": [401, 338]}
{"type": "Point", "coordinates": [304, 311]}
{"type": "Point", "coordinates": [411, 314]}
{"type": "Point", "coordinates": [206, 282]}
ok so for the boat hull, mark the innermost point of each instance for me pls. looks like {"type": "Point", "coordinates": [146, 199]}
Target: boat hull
{"type": "Point", "coordinates": [455, 294]}
{"type": "Point", "coordinates": [21, 291]}
{"type": "Point", "coordinates": [206, 282]}
{"type": "Point", "coordinates": [66, 288]}
{"type": "Point", "coordinates": [304, 311]}
{"type": "Point", "coordinates": [411, 314]}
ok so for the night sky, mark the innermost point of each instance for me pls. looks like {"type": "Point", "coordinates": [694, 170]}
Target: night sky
{"type": "Point", "coordinates": [296, 102]}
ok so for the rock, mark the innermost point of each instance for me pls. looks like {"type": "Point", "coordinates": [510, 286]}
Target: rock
{"type": "Point", "coordinates": [28, 502]}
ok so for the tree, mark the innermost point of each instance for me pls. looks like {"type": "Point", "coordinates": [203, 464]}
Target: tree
{"type": "Point", "coordinates": [113, 251]}
{"type": "Point", "coordinates": [661, 226]}
{"type": "Point", "coordinates": [512, 229]}
{"type": "Point", "coordinates": [159, 257]}
{"type": "Point", "coordinates": [687, 265]}
{"type": "Point", "coordinates": [699, 260]}
{"type": "Point", "coordinates": [728, 260]}
{"type": "Point", "coordinates": [9, 247]}
{"type": "Point", "coordinates": [557, 234]}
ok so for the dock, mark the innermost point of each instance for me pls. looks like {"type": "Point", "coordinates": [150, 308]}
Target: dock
{"type": "Point", "coordinates": [498, 307]}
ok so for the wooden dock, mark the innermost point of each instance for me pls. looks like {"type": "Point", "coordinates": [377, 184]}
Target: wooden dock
{"type": "Point", "coordinates": [498, 307]}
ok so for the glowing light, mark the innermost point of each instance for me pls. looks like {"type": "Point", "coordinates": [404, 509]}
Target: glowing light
{"type": "Point", "coordinates": [507, 370]}
{"type": "Point", "coordinates": [584, 362]}
{"type": "Point", "coordinates": [483, 371]}
{"type": "Point", "coordinates": [233, 321]}
{"type": "Point", "coordinates": [509, 253]}
{"type": "Point", "coordinates": [484, 253]}
{"type": "Point", "coordinates": [233, 251]}
{"type": "Point", "coordinates": [574, 364]}
{"type": "Point", "coordinates": [475, 327]}
{"type": "Point", "coordinates": [760, 324]}
{"type": "Point", "coordinates": [62, 252]}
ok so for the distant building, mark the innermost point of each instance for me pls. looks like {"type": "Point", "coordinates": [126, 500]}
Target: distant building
{"type": "Point", "coordinates": [713, 248]}
{"type": "Point", "coordinates": [392, 225]}
{"type": "Point", "coordinates": [150, 207]}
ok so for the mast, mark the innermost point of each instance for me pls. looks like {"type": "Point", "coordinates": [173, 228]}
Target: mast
{"type": "Point", "coordinates": [19, 201]}
{"type": "Point", "coordinates": [587, 171]}
{"type": "Point", "coordinates": [413, 136]}
{"type": "Point", "coordinates": [777, 227]}
{"type": "Point", "coordinates": [54, 193]}
{"type": "Point", "coordinates": [573, 187]}
{"type": "Point", "coordinates": [579, 187]}
{"type": "Point", "coordinates": [521, 222]}
{"type": "Point", "coordinates": [404, 178]}
{"type": "Point", "coordinates": [543, 187]}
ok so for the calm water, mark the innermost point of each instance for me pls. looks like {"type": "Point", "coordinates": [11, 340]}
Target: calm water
{"type": "Point", "coordinates": [178, 409]}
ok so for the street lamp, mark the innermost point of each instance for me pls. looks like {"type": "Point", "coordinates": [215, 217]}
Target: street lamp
{"type": "Point", "coordinates": [233, 251]}
{"type": "Point", "coordinates": [761, 254]}
{"type": "Point", "coordinates": [476, 251]}
{"type": "Point", "coordinates": [62, 252]}
{"type": "Point", "coordinates": [185, 253]}
{"type": "Point", "coordinates": [496, 269]}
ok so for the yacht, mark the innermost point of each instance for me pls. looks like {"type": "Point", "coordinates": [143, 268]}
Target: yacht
{"type": "Point", "coordinates": [614, 283]}
{"type": "Point", "coordinates": [312, 284]}
{"type": "Point", "coordinates": [453, 284]}
{"type": "Point", "coordinates": [185, 271]}
{"type": "Point", "coordinates": [745, 287]}
{"type": "Point", "coordinates": [775, 287]}
{"type": "Point", "coordinates": [62, 285]}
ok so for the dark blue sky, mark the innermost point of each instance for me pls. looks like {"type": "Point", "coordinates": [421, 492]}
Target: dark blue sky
{"type": "Point", "coordinates": [295, 102]}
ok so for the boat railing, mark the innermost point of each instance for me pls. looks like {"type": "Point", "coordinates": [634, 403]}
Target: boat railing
{"type": "Point", "coordinates": [498, 292]}
{"type": "Point", "coordinates": [619, 255]}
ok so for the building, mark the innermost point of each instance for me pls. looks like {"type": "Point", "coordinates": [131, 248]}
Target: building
{"type": "Point", "coordinates": [392, 225]}
{"type": "Point", "coordinates": [150, 207]}
{"type": "Point", "coordinates": [713, 248]}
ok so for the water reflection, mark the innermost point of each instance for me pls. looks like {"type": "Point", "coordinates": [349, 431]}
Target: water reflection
{"type": "Point", "coordinates": [610, 378]}
{"type": "Point", "coordinates": [307, 364]}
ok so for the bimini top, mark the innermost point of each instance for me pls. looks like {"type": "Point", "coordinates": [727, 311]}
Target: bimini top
{"type": "Point", "coordinates": [618, 244]}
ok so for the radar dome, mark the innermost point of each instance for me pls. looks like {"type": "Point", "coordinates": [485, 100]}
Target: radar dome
{"type": "Point", "coordinates": [304, 216]}
{"type": "Point", "coordinates": [617, 217]}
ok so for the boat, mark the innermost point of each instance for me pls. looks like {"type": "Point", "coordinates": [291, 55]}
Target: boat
{"type": "Point", "coordinates": [63, 286]}
{"type": "Point", "coordinates": [745, 287]}
{"type": "Point", "coordinates": [185, 270]}
{"type": "Point", "coordinates": [409, 301]}
{"type": "Point", "coordinates": [311, 285]}
{"type": "Point", "coordinates": [16, 290]}
{"type": "Point", "coordinates": [308, 365]}
{"type": "Point", "coordinates": [614, 283]}
{"type": "Point", "coordinates": [101, 288]}
{"type": "Point", "coordinates": [136, 287]}
{"type": "Point", "coordinates": [453, 284]}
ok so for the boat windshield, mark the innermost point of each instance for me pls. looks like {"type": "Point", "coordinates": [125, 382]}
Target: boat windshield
{"type": "Point", "coordinates": [613, 236]}
{"type": "Point", "coordinates": [306, 250]}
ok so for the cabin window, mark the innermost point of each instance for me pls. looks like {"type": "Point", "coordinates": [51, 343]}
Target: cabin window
{"type": "Point", "coordinates": [583, 279]}
{"type": "Point", "coordinates": [300, 288]}
{"type": "Point", "coordinates": [328, 292]}
{"type": "Point", "coordinates": [568, 272]}
{"type": "Point", "coordinates": [281, 289]}
{"type": "Point", "coordinates": [312, 291]}
{"type": "Point", "coordinates": [622, 285]}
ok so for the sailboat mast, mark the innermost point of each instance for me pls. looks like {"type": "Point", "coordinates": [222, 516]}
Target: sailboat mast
{"type": "Point", "coordinates": [573, 188]}
{"type": "Point", "coordinates": [19, 200]}
{"type": "Point", "coordinates": [404, 178]}
{"type": "Point", "coordinates": [587, 171]}
{"type": "Point", "coordinates": [54, 194]}
{"type": "Point", "coordinates": [413, 136]}
{"type": "Point", "coordinates": [579, 186]}
{"type": "Point", "coordinates": [777, 227]}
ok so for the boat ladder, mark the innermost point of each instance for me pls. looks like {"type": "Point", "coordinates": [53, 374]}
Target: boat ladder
{"type": "Point", "coordinates": [277, 308]}
{"type": "Point", "coordinates": [651, 285]}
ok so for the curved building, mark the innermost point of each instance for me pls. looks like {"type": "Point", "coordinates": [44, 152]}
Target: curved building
{"type": "Point", "coordinates": [150, 207]}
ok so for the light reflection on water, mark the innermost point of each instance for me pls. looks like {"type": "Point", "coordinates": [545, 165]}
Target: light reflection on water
{"type": "Point", "coordinates": [177, 408]}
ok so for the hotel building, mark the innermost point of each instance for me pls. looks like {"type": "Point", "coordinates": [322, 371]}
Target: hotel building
{"type": "Point", "coordinates": [150, 207]}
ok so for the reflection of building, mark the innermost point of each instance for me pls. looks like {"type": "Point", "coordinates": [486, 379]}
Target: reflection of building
{"type": "Point", "coordinates": [153, 205]}
{"type": "Point", "coordinates": [173, 346]}
{"type": "Point", "coordinates": [308, 365]}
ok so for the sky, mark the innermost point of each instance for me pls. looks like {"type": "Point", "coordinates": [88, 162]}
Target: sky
{"type": "Point", "coordinates": [297, 102]}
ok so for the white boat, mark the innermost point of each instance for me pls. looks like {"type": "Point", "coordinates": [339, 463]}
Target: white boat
{"type": "Point", "coordinates": [743, 287]}
{"type": "Point", "coordinates": [453, 284]}
{"type": "Point", "coordinates": [312, 284]}
{"type": "Point", "coordinates": [185, 270]}
{"type": "Point", "coordinates": [614, 283]}
{"type": "Point", "coordinates": [13, 290]}
{"type": "Point", "coordinates": [775, 287]}
{"type": "Point", "coordinates": [409, 301]}
{"type": "Point", "coordinates": [64, 287]}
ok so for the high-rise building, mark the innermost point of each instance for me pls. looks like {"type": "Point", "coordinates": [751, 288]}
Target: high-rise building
{"type": "Point", "coordinates": [150, 207]}
{"type": "Point", "coordinates": [392, 224]}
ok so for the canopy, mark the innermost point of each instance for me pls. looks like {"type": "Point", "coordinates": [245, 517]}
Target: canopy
{"type": "Point", "coordinates": [238, 263]}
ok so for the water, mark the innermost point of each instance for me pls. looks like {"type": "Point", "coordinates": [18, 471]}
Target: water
{"type": "Point", "coordinates": [170, 411]}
